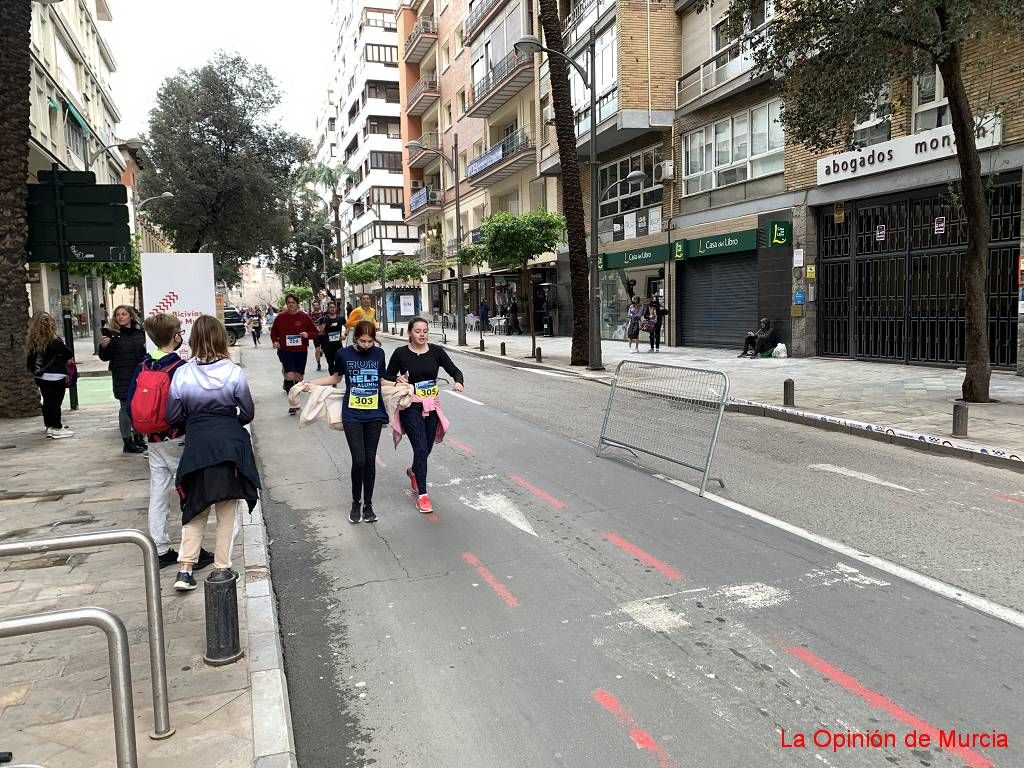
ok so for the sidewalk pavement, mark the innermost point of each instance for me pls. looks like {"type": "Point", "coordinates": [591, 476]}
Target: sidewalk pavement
{"type": "Point", "coordinates": [904, 403]}
{"type": "Point", "coordinates": [55, 706]}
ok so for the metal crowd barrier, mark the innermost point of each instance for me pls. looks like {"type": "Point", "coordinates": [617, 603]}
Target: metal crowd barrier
{"type": "Point", "coordinates": [154, 608]}
{"type": "Point", "coordinates": [668, 411]}
{"type": "Point", "coordinates": [117, 653]}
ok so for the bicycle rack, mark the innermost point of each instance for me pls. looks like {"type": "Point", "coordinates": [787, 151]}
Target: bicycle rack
{"type": "Point", "coordinates": [117, 653]}
{"type": "Point", "coordinates": [154, 608]}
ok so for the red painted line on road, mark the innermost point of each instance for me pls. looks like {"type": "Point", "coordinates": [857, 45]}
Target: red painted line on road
{"type": "Point", "coordinates": [492, 582]}
{"type": "Point", "coordinates": [641, 738]}
{"type": "Point", "coordinates": [461, 446]}
{"type": "Point", "coordinates": [644, 557]}
{"type": "Point", "coordinates": [537, 492]}
{"type": "Point", "coordinates": [1007, 497]}
{"type": "Point", "coordinates": [380, 462]}
{"type": "Point", "coordinates": [432, 517]}
{"type": "Point", "coordinates": [878, 701]}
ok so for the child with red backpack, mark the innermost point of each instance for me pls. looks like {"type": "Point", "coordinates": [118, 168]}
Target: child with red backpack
{"type": "Point", "coordinates": [147, 396]}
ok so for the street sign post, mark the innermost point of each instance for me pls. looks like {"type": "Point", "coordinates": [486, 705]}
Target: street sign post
{"type": "Point", "coordinates": [71, 218]}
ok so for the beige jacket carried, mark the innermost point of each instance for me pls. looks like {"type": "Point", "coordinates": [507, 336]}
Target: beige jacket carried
{"type": "Point", "coordinates": [323, 403]}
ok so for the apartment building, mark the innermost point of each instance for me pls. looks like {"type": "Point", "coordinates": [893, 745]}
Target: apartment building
{"type": "Point", "coordinates": [359, 127]}
{"type": "Point", "coordinates": [853, 253]}
{"type": "Point", "coordinates": [73, 117]}
{"type": "Point", "coordinates": [636, 46]}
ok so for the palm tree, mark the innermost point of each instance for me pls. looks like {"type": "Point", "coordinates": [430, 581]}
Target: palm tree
{"type": "Point", "coordinates": [572, 194]}
{"type": "Point", "coordinates": [329, 179]}
{"type": "Point", "coordinates": [18, 396]}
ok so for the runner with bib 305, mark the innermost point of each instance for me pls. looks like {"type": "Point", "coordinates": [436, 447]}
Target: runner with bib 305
{"type": "Point", "coordinates": [417, 364]}
{"type": "Point", "coordinates": [362, 413]}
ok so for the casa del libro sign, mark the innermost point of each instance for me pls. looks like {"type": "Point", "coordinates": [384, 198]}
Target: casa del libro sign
{"type": "Point", "coordinates": [924, 147]}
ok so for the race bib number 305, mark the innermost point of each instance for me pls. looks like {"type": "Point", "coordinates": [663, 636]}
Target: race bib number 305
{"type": "Point", "coordinates": [293, 340]}
{"type": "Point", "coordinates": [425, 389]}
{"type": "Point", "coordinates": [363, 399]}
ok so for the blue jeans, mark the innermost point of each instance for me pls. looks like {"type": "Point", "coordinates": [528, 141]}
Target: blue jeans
{"type": "Point", "coordinates": [420, 432]}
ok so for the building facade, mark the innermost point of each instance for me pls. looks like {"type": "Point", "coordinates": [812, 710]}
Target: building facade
{"type": "Point", "coordinates": [73, 117]}
{"type": "Point", "coordinates": [358, 127]}
{"type": "Point", "coordinates": [852, 253]}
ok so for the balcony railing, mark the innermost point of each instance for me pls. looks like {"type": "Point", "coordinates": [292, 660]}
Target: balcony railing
{"type": "Point", "coordinates": [420, 157]}
{"type": "Point", "coordinates": [581, 18]}
{"type": "Point", "coordinates": [607, 106]}
{"type": "Point", "coordinates": [499, 72]}
{"type": "Point", "coordinates": [726, 65]}
{"type": "Point", "coordinates": [425, 197]}
{"type": "Point", "coordinates": [426, 85]}
{"type": "Point", "coordinates": [512, 144]}
{"type": "Point", "coordinates": [413, 51]}
{"type": "Point", "coordinates": [478, 16]}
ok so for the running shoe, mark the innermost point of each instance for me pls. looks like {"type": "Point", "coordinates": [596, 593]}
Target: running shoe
{"type": "Point", "coordinates": [423, 504]}
{"type": "Point", "coordinates": [184, 582]}
{"type": "Point", "coordinates": [412, 480]}
{"type": "Point", "coordinates": [354, 513]}
{"type": "Point", "coordinates": [60, 434]}
{"type": "Point", "coordinates": [170, 557]}
{"type": "Point", "coordinates": [368, 514]}
{"type": "Point", "coordinates": [292, 411]}
{"type": "Point", "coordinates": [205, 559]}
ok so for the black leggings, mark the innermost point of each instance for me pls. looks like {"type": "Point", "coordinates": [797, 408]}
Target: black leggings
{"type": "Point", "coordinates": [759, 343]}
{"type": "Point", "coordinates": [362, 440]}
{"type": "Point", "coordinates": [53, 398]}
{"type": "Point", "coordinates": [421, 431]}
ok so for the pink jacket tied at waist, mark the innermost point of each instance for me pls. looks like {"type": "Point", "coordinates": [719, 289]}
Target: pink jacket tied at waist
{"type": "Point", "coordinates": [398, 397]}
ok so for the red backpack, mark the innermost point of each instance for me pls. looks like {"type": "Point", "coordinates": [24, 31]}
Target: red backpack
{"type": "Point", "coordinates": [149, 403]}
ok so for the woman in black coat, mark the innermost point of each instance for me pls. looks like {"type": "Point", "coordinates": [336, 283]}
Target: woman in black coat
{"type": "Point", "coordinates": [124, 347]}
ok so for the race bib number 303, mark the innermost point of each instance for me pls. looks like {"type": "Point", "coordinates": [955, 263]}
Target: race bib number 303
{"type": "Point", "coordinates": [293, 340]}
{"type": "Point", "coordinates": [425, 389]}
{"type": "Point", "coordinates": [363, 399]}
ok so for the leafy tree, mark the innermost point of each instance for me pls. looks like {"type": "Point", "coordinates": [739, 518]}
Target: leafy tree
{"type": "Point", "coordinates": [472, 254]}
{"type": "Point", "coordinates": [362, 272]}
{"type": "Point", "coordinates": [328, 178]}
{"type": "Point", "coordinates": [838, 60]}
{"type": "Point", "coordinates": [299, 264]}
{"type": "Point", "coordinates": [572, 193]}
{"type": "Point", "coordinates": [18, 395]}
{"type": "Point", "coordinates": [302, 293]}
{"type": "Point", "coordinates": [404, 271]}
{"type": "Point", "coordinates": [211, 143]}
{"type": "Point", "coordinates": [511, 240]}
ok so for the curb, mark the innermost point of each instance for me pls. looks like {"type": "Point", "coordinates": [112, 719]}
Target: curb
{"type": "Point", "coordinates": [943, 445]}
{"type": "Point", "coordinates": [273, 742]}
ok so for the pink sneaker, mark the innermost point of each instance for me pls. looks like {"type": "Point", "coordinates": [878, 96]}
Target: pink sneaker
{"type": "Point", "coordinates": [423, 504]}
{"type": "Point", "coordinates": [412, 480]}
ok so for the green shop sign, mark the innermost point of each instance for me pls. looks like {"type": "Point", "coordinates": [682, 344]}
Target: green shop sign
{"type": "Point", "coordinates": [638, 257]}
{"type": "Point", "coordinates": [778, 234]}
{"type": "Point", "coordinates": [730, 242]}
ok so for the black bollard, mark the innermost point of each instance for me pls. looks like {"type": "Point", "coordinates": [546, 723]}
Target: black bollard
{"type": "Point", "coordinates": [401, 331]}
{"type": "Point", "coordinates": [481, 345]}
{"type": "Point", "coordinates": [222, 645]}
{"type": "Point", "coordinates": [959, 419]}
{"type": "Point", "coordinates": [537, 354]}
{"type": "Point", "coordinates": [503, 349]}
{"type": "Point", "coordinates": [789, 393]}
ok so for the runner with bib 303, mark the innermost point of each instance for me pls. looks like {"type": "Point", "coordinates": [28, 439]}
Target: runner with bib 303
{"type": "Point", "coordinates": [362, 413]}
{"type": "Point", "coordinates": [418, 363]}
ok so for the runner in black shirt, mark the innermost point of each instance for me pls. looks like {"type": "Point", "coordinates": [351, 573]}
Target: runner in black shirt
{"type": "Point", "coordinates": [418, 364]}
{"type": "Point", "coordinates": [332, 328]}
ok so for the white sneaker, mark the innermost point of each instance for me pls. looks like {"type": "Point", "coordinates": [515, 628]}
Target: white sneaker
{"type": "Point", "coordinates": [60, 434]}
{"type": "Point", "coordinates": [49, 431]}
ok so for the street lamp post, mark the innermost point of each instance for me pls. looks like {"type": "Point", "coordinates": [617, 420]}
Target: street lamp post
{"type": "Point", "coordinates": [453, 165]}
{"type": "Point", "coordinates": [532, 44]}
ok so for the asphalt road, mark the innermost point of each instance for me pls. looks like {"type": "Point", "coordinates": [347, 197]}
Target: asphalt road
{"type": "Point", "coordinates": [563, 610]}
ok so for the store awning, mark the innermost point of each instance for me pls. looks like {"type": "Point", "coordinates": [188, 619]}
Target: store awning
{"type": "Point", "coordinates": [78, 118]}
{"type": "Point", "coordinates": [53, 103]}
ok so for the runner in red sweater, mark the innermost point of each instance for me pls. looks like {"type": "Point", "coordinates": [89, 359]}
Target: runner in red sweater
{"type": "Point", "coordinates": [290, 334]}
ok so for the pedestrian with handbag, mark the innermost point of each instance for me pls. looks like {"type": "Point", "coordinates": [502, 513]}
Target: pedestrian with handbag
{"type": "Point", "coordinates": [654, 316]}
{"type": "Point", "coordinates": [634, 315]}
{"type": "Point", "coordinates": [47, 358]}
{"type": "Point", "coordinates": [123, 346]}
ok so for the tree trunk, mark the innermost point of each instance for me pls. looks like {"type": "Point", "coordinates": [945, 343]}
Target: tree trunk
{"type": "Point", "coordinates": [18, 394]}
{"type": "Point", "coordinates": [572, 193]}
{"type": "Point", "coordinates": [975, 388]}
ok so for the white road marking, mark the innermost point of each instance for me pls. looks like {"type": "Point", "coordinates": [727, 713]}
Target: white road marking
{"type": "Point", "coordinates": [753, 595]}
{"type": "Point", "coordinates": [842, 574]}
{"type": "Point", "coordinates": [858, 476]}
{"type": "Point", "coordinates": [962, 596]}
{"type": "Point", "coordinates": [656, 617]}
{"type": "Point", "coordinates": [549, 373]}
{"type": "Point", "coordinates": [502, 506]}
{"type": "Point", "coordinates": [461, 396]}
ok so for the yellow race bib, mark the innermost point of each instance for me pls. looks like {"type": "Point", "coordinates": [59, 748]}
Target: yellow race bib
{"type": "Point", "coordinates": [425, 389]}
{"type": "Point", "coordinates": [363, 399]}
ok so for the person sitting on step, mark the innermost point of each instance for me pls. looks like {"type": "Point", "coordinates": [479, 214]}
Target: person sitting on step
{"type": "Point", "coordinates": [762, 340]}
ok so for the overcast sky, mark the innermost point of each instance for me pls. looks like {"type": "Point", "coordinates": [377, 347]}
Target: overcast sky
{"type": "Point", "coordinates": [153, 39]}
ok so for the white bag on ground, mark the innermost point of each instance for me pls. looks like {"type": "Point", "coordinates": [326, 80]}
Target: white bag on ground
{"type": "Point", "coordinates": [780, 351]}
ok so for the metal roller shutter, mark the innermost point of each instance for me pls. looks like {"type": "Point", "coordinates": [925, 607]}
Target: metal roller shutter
{"type": "Point", "coordinates": [719, 300]}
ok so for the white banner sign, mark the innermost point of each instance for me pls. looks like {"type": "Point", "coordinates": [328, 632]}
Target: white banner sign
{"type": "Point", "coordinates": [936, 144]}
{"type": "Point", "coordinates": [180, 284]}
{"type": "Point", "coordinates": [408, 305]}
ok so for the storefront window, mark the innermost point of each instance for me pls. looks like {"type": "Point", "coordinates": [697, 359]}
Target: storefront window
{"type": "Point", "coordinates": [615, 296]}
